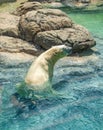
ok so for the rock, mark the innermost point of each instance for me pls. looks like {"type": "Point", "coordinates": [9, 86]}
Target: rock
{"type": "Point", "coordinates": [27, 6]}
{"type": "Point", "coordinates": [56, 5]}
{"type": "Point", "coordinates": [76, 37]}
{"type": "Point", "coordinates": [42, 20]}
{"type": "Point", "coordinates": [49, 27]}
{"type": "Point", "coordinates": [82, 39]}
{"type": "Point", "coordinates": [40, 29]}
{"type": "Point", "coordinates": [15, 45]}
{"type": "Point", "coordinates": [87, 5]}
{"type": "Point", "coordinates": [9, 24]}
{"type": "Point", "coordinates": [48, 39]}
{"type": "Point", "coordinates": [8, 58]}
{"type": "Point", "coordinates": [42, 0]}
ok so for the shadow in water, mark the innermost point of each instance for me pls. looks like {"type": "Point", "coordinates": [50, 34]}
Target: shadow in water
{"type": "Point", "coordinates": [60, 85]}
{"type": "Point", "coordinates": [24, 105]}
{"type": "Point", "coordinates": [89, 52]}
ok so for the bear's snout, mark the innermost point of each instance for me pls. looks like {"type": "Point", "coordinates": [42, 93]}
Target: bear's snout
{"type": "Point", "coordinates": [68, 50]}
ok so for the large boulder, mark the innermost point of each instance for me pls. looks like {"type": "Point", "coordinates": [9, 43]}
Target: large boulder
{"type": "Point", "coordinates": [9, 24]}
{"type": "Point", "coordinates": [48, 27]}
{"type": "Point", "coordinates": [76, 37]}
{"type": "Point", "coordinates": [15, 45]}
{"type": "Point", "coordinates": [27, 6]}
{"type": "Point", "coordinates": [42, 20]}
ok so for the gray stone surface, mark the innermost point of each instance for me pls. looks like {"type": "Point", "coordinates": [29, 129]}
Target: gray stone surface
{"type": "Point", "coordinates": [49, 27]}
{"type": "Point", "coordinates": [9, 24]}
{"type": "Point", "coordinates": [42, 20]}
{"type": "Point", "coordinates": [73, 37]}
{"type": "Point", "coordinates": [15, 45]}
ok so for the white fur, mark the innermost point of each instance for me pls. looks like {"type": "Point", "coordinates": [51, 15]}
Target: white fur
{"type": "Point", "coordinates": [40, 74]}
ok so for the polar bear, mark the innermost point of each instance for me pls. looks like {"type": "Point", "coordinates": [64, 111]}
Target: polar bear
{"type": "Point", "coordinates": [39, 75]}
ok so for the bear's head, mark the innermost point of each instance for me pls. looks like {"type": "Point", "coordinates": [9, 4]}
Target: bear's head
{"type": "Point", "coordinates": [57, 52]}
{"type": "Point", "coordinates": [62, 50]}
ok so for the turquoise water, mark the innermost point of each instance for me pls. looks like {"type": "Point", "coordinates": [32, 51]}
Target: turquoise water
{"type": "Point", "coordinates": [92, 21]}
{"type": "Point", "coordinates": [81, 85]}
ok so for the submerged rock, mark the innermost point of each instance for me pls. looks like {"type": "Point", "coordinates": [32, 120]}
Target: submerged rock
{"type": "Point", "coordinates": [9, 24]}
